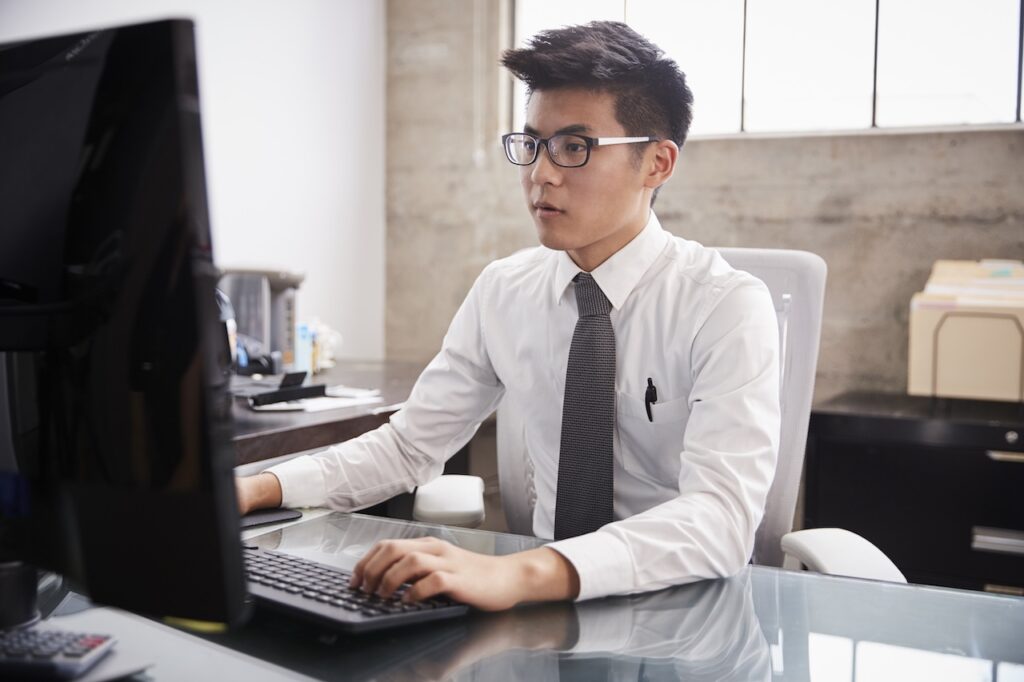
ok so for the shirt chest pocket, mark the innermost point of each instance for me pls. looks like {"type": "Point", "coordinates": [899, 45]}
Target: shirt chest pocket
{"type": "Point", "coordinates": [650, 448]}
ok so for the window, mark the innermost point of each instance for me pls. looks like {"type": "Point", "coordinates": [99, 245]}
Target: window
{"type": "Point", "coordinates": [945, 61]}
{"type": "Point", "coordinates": [533, 16]}
{"type": "Point", "coordinates": [884, 662]}
{"type": "Point", "coordinates": [807, 65]}
{"type": "Point", "coordinates": [709, 51]}
{"type": "Point", "coordinates": [829, 658]}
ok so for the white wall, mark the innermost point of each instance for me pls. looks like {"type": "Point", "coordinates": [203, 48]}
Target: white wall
{"type": "Point", "coordinates": [292, 97]}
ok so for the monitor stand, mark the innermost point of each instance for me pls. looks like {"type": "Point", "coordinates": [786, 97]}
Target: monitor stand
{"type": "Point", "coordinates": [18, 590]}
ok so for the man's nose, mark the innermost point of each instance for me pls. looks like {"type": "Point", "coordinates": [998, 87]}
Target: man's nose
{"type": "Point", "coordinates": [544, 170]}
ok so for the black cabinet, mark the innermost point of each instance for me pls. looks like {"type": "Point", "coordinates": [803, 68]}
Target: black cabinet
{"type": "Point", "coordinates": [938, 485]}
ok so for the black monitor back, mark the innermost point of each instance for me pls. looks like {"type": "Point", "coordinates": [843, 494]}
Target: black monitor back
{"type": "Point", "coordinates": [114, 363]}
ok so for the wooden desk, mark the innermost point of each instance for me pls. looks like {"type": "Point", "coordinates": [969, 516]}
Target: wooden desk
{"type": "Point", "coordinates": [264, 435]}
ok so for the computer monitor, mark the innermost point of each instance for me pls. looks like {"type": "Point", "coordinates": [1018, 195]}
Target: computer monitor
{"type": "Point", "coordinates": [116, 466]}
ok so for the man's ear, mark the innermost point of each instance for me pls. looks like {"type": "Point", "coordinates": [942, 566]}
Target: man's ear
{"type": "Point", "coordinates": [661, 164]}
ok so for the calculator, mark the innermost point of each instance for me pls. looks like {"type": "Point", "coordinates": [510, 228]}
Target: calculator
{"type": "Point", "coordinates": [40, 652]}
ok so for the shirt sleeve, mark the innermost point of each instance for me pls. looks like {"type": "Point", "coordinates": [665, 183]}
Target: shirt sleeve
{"type": "Point", "coordinates": [456, 391]}
{"type": "Point", "coordinates": [728, 461]}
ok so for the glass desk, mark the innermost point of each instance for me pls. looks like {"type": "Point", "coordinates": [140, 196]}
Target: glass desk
{"type": "Point", "coordinates": [763, 624]}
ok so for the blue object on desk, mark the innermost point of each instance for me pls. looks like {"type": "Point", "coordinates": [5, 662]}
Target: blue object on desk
{"type": "Point", "coordinates": [303, 349]}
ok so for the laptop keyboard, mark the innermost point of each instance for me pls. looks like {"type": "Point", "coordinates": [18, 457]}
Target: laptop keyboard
{"type": "Point", "coordinates": [322, 593]}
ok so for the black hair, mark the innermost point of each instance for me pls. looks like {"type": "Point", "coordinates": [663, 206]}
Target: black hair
{"type": "Point", "coordinates": [651, 95]}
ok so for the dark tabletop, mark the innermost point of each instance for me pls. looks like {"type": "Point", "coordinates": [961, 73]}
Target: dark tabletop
{"type": "Point", "coordinates": [762, 624]}
{"type": "Point", "coordinates": [903, 406]}
{"type": "Point", "coordinates": [263, 435]}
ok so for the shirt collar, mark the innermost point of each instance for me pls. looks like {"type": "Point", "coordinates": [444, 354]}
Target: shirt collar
{"type": "Point", "coordinates": [619, 274]}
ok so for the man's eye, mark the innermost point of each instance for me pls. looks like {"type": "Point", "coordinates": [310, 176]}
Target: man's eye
{"type": "Point", "coordinates": [575, 147]}
{"type": "Point", "coordinates": [529, 145]}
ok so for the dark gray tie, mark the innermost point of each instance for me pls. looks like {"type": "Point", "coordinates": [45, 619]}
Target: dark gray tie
{"type": "Point", "coordinates": [584, 499]}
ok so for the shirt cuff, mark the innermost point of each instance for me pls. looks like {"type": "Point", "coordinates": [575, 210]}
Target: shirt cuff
{"type": "Point", "coordinates": [302, 482]}
{"type": "Point", "coordinates": [602, 562]}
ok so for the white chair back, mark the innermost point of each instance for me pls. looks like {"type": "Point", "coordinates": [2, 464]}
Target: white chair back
{"type": "Point", "coordinates": [796, 280]}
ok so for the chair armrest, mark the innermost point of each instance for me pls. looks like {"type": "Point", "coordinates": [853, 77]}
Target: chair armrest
{"type": "Point", "coordinates": [451, 500]}
{"type": "Point", "coordinates": [839, 552]}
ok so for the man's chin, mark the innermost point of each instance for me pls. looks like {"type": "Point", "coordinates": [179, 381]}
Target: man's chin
{"type": "Point", "coordinates": [556, 240]}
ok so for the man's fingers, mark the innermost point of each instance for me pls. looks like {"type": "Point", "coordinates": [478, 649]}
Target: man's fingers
{"type": "Point", "coordinates": [372, 567]}
{"type": "Point", "coordinates": [373, 564]}
{"type": "Point", "coordinates": [438, 582]}
{"type": "Point", "coordinates": [360, 568]}
{"type": "Point", "coordinates": [408, 569]}
{"type": "Point", "coordinates": [376, 563]}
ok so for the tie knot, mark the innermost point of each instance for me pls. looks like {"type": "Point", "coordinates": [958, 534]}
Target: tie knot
{"type": "Point", "coordinates": [590, 300]}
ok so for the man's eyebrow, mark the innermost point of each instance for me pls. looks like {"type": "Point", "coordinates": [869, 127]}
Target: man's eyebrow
{"type": "Point", "coordinates": [574, 128]}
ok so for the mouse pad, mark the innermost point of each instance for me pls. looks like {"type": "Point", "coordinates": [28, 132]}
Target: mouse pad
{"type": "Point", "coordinates": [263, 517]}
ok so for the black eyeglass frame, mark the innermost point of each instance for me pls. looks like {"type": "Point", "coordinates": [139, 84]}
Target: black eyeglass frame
{"type": "Point", "coordinates": [590, 141]}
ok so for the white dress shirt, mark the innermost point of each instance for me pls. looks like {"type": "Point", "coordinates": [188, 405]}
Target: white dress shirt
{"type": "Point", "coordinates": [690, 486]}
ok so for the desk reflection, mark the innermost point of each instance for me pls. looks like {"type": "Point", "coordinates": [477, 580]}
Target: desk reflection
{"type": "Point", "coordinates": [704, 631]}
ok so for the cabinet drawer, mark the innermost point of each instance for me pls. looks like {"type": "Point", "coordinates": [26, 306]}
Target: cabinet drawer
{"type": "Point", "coordinates": [944, 515]}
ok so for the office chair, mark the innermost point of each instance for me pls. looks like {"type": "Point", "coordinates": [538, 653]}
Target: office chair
{"type": "Point", "coordinates": [796, 280]}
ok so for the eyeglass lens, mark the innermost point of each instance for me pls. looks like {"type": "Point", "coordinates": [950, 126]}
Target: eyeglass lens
{"type": "Point", "coordinates": [564, 150]}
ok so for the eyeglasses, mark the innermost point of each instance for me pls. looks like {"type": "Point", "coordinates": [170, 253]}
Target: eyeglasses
{"type": "Point", "coordinates": [565, 150]}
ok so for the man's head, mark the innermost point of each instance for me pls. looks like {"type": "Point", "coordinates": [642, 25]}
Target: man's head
{"type": "Point", "coordinates": [600, 80]}
{"type": "Point", "coordinates": [651, 95]}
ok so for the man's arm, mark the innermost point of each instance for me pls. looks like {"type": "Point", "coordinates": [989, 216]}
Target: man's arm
{"type": "Point", "coordinates": [435, 567]}
{"type": "Point", "coordinates": [258, 492]}
{"type": "Point", "coordinates": [450, 399]}
{"type": "Point", "coordinates": [490, 583]}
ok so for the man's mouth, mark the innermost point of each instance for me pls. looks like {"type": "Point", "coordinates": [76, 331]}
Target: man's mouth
{"type": "Point", "coordinates": [546, 210]}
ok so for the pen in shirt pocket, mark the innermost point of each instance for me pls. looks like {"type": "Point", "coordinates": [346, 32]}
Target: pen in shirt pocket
{"type": "Point", "coordinates": [650, 397]}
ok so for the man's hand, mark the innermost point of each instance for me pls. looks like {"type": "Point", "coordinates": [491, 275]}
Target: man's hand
{"type": "Point", "coordinates": [257, 492]}
{"type": "Point", "coordinates": [490, 583]}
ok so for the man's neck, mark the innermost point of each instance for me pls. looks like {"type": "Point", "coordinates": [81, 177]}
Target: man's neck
{"type": "Point", "coordinates": [590, 257]}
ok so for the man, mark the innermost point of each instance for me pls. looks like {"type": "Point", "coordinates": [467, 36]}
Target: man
{"type": "Point", "coordinates": [643, 368]}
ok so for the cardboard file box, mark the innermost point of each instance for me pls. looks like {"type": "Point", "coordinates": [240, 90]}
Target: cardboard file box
{"type": "Point", "coordinates": [967, 332]}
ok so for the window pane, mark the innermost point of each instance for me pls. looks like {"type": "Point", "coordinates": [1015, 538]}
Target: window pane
{"type": "Point", "coordinates": [809, 64]}
{"type": "Point", "coordinates": [533, 16]}
{"type": "Point", "coordinates": [884, 662]}
{"type": "Point", "coordinates": [1009, 672]}
{"type": "Point", "coordinates": [829, 658]}
{"type": "Point", "coordinates": [706, 40]}
{"type": "Point", "coordinates": [947, 61]}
